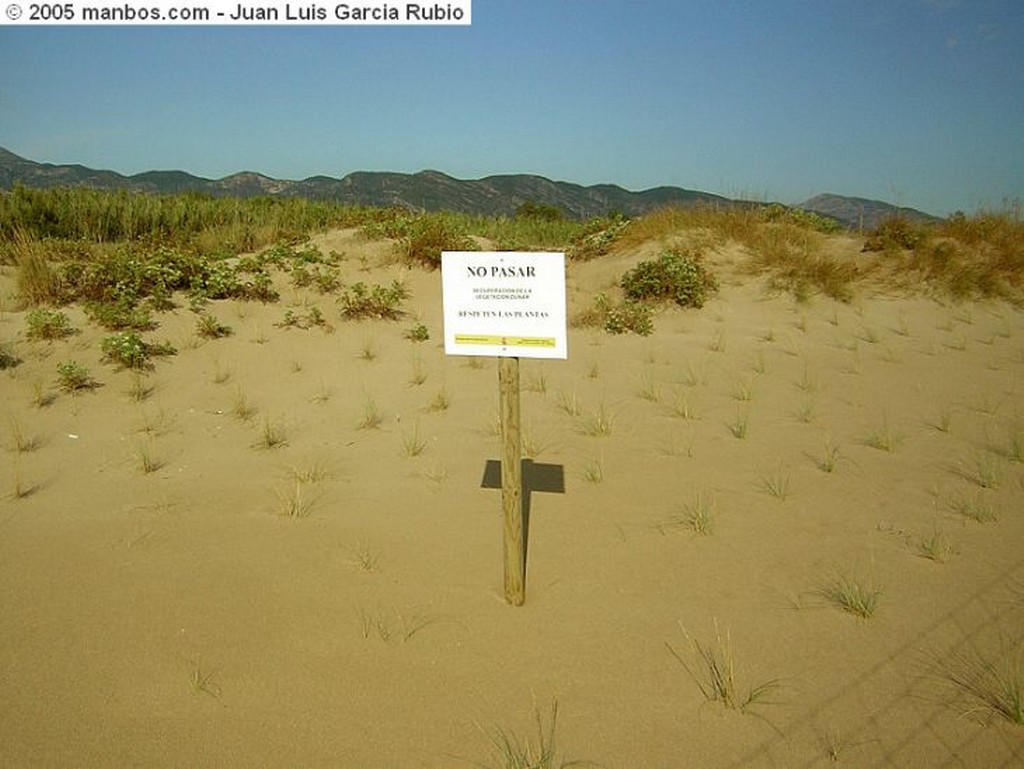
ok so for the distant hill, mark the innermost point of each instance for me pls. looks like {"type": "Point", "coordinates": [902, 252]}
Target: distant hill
{"type": "Point", "coordinates": [426, 190]}
{"type": "Point", "coordinates": [860, 213]}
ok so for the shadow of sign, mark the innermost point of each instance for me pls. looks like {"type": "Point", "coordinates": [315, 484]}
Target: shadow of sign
{"type": "Point", "coordinates": [535, 477]}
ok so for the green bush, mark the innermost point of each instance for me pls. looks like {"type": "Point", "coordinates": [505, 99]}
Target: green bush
{"type": "Point", "coordinates": [596, 238]}
{"type": "Point", "coordinates": [129, 350]}
{"type": "Point", "coordinates": [72, 376]}
{"type": "Point", "coordinates": [674, 276]}
{"type": "Point", "coordinates": [119, 315]}
{"type": "Point", "coordinates": [618, 317]}
{"type": "Point", "coordinates": [383, 302]}
{"type": "Point", "coordinates": [48, 324]}
{"type": "Point", "coordinates": [429, 235]}
{"type": "Point", "coordinates": [418, 333]}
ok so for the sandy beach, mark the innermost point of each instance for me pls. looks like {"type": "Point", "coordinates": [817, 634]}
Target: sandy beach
{"type": "Point", "coordinates": [276, 549]}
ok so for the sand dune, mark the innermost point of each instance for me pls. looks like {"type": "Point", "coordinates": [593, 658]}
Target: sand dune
{"type": "Point", "coordinates": [180, 617]}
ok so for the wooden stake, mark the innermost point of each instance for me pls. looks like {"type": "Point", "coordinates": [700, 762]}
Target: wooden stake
{"type": "Point", "coordinates": [511, 481]}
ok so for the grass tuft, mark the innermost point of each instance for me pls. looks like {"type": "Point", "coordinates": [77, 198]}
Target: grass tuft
{"type": "Point", "coordinates": [712, 668]}
{"type": "Point", "coordinates": [512, 751]}
{"type": "Point", "coordinates": [852, 595]}
{"type": "Point", "coordinates": [994, 686]}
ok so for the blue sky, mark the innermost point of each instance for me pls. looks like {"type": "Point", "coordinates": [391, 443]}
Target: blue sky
{"type": "Point", "coordinates": [918, 102]}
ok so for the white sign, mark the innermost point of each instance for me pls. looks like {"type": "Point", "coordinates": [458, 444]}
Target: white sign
{"type": "Point", "coordinates": [504, 304]}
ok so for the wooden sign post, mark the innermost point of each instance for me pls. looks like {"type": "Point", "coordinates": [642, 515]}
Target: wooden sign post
{"type": "Point", "coordinates": [512, 481]}
{"type": "Point", "coordinates": [507, 305]}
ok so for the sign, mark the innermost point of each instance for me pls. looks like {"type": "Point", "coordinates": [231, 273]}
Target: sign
{"type": "Point", "coordinates": [504, 304]}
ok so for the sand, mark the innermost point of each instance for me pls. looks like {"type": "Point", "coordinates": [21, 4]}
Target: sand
{"type": "Point", "coordinates": [178, 618]}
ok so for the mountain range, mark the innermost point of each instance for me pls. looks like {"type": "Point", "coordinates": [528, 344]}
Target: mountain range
{"type": "Point", "coordinates": [429, 191]}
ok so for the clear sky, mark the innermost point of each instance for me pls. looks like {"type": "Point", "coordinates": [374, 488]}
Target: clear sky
{"type": "Point", "coordinates": [917, 102]}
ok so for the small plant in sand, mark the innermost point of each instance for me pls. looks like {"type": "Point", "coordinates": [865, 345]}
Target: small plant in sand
{"type": "Point", "coordinates": [984, 469]}
{"type": "Point", "coordinates": [391, 626]}
{"type": "Point", "coordinates": [830, 458]}
{"type": "Point", "coordinates": [593, 471]}
{"type": "Point", "coordinates": [372, 417]}
{"type": "Point", "coordinates": [683, 407]}
{"type": "Point", "coordinates": [201, 682]}
{"type": "Point", "coordinates": [853, 595]}
{"type": "Point", "coordinates": [419, 375]}
{"type": "Point", "coordinates": [883, 439]}
{"type": "Point", "coordinates": [72, 377]}
{"type": "Point", "coordinates": [128, 350]}
{"type": "Point", "coordinates": [413, 443]}
{"type": "Point", "coordinates": [41, 396]}
{"type": "Point", "coordinates": [1015, 444]}
{"type": "Point", "coordinates": [365, 559]}
{"type": "Point", "coordinates": [312, 318]}
{"type": "Point", "coordinates": [208, 327]}
{"type": "Point", "coordinates": [359, 301]}
{"type": "Point", "coordinates": [712, 668]}
{"type": "Point", "coordinates": [739, 427]}
{"type": "Point", "coordinates": [777, 484]}
{"type": "Point", "coordinates": [569, 403]}
{"type": "Point", "coordinates": [697, 516]}
{"type": "Point", "coordinates": [293, 502]}
{"type": "Point", "coordinates": [140, 389]}
{"type": "Point", "coordinates": [512, 751]}
{"type": "Point", "coordinates": [271, 435]}
{"type": "Point", "coordinates": [617, 317]}
{"type": "Point", "coordinates": [804, 412]}
{"type": "Point", "coordinates": [148, 462]}
{"type": "Point", "coordinates": [21, 441]}
{"type": "Point", "coordinates": [418, 333]}
{"type": "Point", "coordinates": [48, 324]}
{"type": "Point", "coordinates": [936, 547]}
{"type": "Point", "coordinates": [742, 391]}
{"type": "Point", "coordinates": [975, 508]}
{"type": "Point", "coordinates": [241, 407]}
{"type": "Point", "coordinates": [538, 383]}
{"type": "Point", "coordinates": [20, 488]}
{"type": "Point", "coordinates": [599, 423]}
{"type": "Point", "coordinates": [441, 402]}
{"type": "Point", "coordinates": [992, 684]}
{"type": "Point", "coordinates": [368, 350]}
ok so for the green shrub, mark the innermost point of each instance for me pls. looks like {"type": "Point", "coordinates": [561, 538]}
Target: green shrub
{"type": "Point", "coordinates": [313, 317]}
{"type": "Point", "coordinates": [129, 350]}
{"type": "Point", "coordinates": [596, 238]}
{"type": "Point", "coordinates": [895, 233]}
{"type": "Point", "coordinates": [530, 209]}
{"type": "Point", "coordinates": [120, 315]}
{"type": "Point", "coordinates": [618, 317]}
{"type": "Point", "coordinates": [674, 276]}
{"type": "Point", "coordinates": [431, 234]}
{"type": "Point", "coordinates": [382, 302]}
{"type": "Point", "coordinates": [418, 333]}
{"type": "Point", "coordinates": [71, 377]}
{"type": "Point", "coordinates": [48, 324]}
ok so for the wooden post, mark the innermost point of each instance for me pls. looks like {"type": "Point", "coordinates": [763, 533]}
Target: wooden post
{"type": "Point", "coordinates": [511, 481]}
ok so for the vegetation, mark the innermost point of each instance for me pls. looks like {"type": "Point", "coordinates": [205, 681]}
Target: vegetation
{"type": "Point", "coordinates": [72, 377]}
{"type": "Point", "coordinates": [676, 275]}
{"type": "Point", "coordinates": [128, 350]}
{"type": "Point", "coordinates": [48, 324]}
{"type": "Point", "coordinates": [127, 257]}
